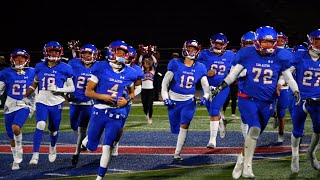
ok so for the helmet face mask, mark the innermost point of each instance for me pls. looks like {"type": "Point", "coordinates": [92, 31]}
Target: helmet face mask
{"type": "Point", "coordinates": [19, 59]}
{"type": "Point", "coordinates": [191, 49]}
{"type": "Point", "coordinates": [53, 51]}
{"type": "Point", "coordinates": [117, 52]}
{"type": "Point", "coordinates": [218, 43]}
{"type": "Point", "coordinates": [247, 39]}
{"type": "Point", "coordinates": [132, 56]}
{"type": "Point", "coordinates": [89, 54]}
{"type": "Point", "coordinates": [266, 40]}
{"type": "Point", "coordinates": [314, 41]}
{"type": "Point", "coordinates": [282, 41]}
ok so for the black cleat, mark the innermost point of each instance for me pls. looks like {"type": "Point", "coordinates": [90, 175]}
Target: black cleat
{"type": "Point", "coordinates": [83, 148]}
{"type": "Point", "coordinates": [74, 160]}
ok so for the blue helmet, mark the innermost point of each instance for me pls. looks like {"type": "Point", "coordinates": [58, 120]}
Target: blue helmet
{"type": "Point", "coordinates": [299, 48]}
{"type": "Point", "coordinates": [221, 39]}
{"type": "Point", "coordinates": [113, 48]}
{"type": "Point", "coordinates": [266, 33]}
{"type": "Point", "coordinates": [92, 50]}
{"type": "Point", "coordinates": [247, 39]}
{"type": "Point", "coordinates": [186, 51]}
{"type": "Point", "coordinates": [285, 38]}
{"type": "Point", "coordinates": [19, 52]}
{"type": "Point", "coordinates": [132, 55]}
{"type": "Point", "coordinates": [52, 46]}
{"type": "Point", "coordinates": [314, 41]}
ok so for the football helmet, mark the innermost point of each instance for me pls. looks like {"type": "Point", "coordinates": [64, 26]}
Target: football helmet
{"type": "Point", "coordinates": [92, 50]}
{"type": "Point", "coordinates": [186, 49]}
{"type": "Point", "coordinates": [218, 43]}
{"type": "Point", "coordinates": [282, 40]}
{"type": "Point", "coordinates": [132, 55]}
{"type": "Point", "coordinates": [266, 33]}
{"type": "Point", "coordinates": [247, 39]}
{"type": "Point", "coordinates": [16, 63]}
{"type": "Point", "coordinates": [53, 46]}
{"type": "Point", "coordinates": [299, 48]}
{"type": "Point", "coordinates": [314, 41]}
{"type": "Point", "coordinates": [112, 53]}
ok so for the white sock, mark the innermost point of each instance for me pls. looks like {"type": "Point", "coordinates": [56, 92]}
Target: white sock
{"type": "Point", "coordinates": [82, 132]}
{"type": "Point", "coordinates": [13, 150]}
{"type": "Point", "coordinates": [214, 126]}
{"type": "Point", "coordinates": [250, 146]}
{"type": "Point", "coordinates": [181, 139]}
{"type": "Point", "coordinates": [106, 156]}
{"type": "Point", "coordinates": [18, 141]}
{"type": "Point", "coordinates": [35, 155]}
{"type": "Point", "coordinates": [244, 129]}
{"type": "Point", "coordinates": [314, 143]}
{"type": "Point", "coordinates": [295, 145]}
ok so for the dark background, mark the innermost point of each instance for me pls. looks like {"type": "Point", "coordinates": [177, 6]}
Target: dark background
{"type": "Point", "coordinates": [166, 24]}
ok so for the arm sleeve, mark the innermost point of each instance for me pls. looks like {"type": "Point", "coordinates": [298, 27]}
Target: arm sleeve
{"type": "Point", "coordinates": [205, 87]}
{"type": "Point", "coordinates": [287, 75]}
{"type": "Point", "coordinates": [137, 90]}
{"type": "Point", "coordinates": [233, 75]}
{"type": "Point", "coordinates": [165, 84]}
{"type": "Point", "coordinates": [68, 86]}
{"type": "Point", "coordinates": [2, 87]}
{"type": "Point", "coordinates": [281, 80]}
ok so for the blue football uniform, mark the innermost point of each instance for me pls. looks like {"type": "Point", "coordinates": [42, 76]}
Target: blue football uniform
{"type": "Point", "coordinates": [80, 105]}
{"type": "Point", "coordinates": [221, 64]}
{"type": "Point", "coordinates": [307, 77]}
{"type": "Point", "coordinates": [107, 116]}
{"type": "Point", "coordinates": [182, 90]}
{"type": "Point", "coordinates": [259, 84]}
{"type": "Point", "coordinates": [140, 76]}
{"type": "Point", "coordinates": [16, 86]}
{"type": "Point", "coordinates": [48, 104]}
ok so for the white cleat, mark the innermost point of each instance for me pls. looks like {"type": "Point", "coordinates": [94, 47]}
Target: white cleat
{"type": "Point", "coordinates": [295, 164]}
{"type": "Point", "coordinates": [177, 157]}
{"type": "Point", "coordinates": [149, 121]}
{"type": "Point", "coordinates": [313, 159]}
{"type": "Point", "coordinates": [280, 138]}
{"type": "Point", "coordinates": [222, 128]}
{"type": "Point", "coordinates": [234, 117]}
{"type": "Point", "coordinates": [52, 153]}
{"type": "Point", "coordinates": [247, 172]}
{"type": "Point", "coordinates": [115, 151]}
{"type": "Point", "coordinates": [18, 159]}
{"type": "Point", "coordinates": [238, 168]}
{"type": "Point", "coordinates": [34, 160]}
{"type": "Point", "coordinates": [15, 166]}
{"type": "Point", "coordinates": [211, 145]}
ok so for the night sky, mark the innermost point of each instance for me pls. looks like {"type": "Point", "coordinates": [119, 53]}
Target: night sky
{"type": "Point", "coordinates": [167, 24]}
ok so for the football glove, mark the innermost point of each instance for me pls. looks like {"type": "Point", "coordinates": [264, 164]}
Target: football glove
{"type": "Point", "coordinates": [296, 95]}
{"type": "Point", "coordinates": [169, 103]}
{"type": "Point", "coordinates": [202, 101]}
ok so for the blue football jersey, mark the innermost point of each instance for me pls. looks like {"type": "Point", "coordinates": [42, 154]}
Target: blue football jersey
{"type": "Point", "coordinates": [56, 75]}
{"type": "Point", "coordinates": [17, 85]}
{"type": "Point", "coordinates": [112, 83]}
{"type": "Point", "coordinates": [185, 78]}
{"type": "Point", "coordinates": [81, 74]}
{"type": "Point", "coordinates": [263, 72]}
{"type": "Point", "coordinates": [221, 64]}
{"type": "Point", "coordinates": [138, 71]}
{"type": "Point", "coordinates": [307, 75]}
